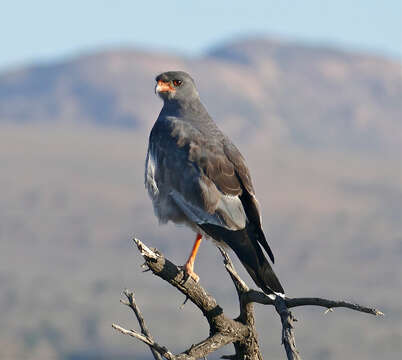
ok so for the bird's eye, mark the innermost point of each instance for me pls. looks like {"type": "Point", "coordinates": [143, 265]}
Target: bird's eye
{"type": "Point", "coordinates": [177, 82]}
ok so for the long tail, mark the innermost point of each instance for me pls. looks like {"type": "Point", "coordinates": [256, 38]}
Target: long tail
{"type": "Point", "coordinates": [244, 243]}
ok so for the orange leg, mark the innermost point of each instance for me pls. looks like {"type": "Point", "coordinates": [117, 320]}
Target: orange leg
{"type": "Point", "coordinates": [189, 265]}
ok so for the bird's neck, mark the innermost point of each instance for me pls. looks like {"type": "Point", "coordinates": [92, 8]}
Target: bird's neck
{"type": "Point", "coordinates": [178, 107]}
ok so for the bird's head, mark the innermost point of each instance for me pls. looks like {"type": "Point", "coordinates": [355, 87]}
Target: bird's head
{"type": "Point", "coordinates": [175, 86]}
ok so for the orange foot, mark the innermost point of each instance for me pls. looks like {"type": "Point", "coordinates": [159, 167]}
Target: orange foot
{"type": "Point", "coordinates": [189, 265]}
{"type": "Point", "coordinates": [189, 268]}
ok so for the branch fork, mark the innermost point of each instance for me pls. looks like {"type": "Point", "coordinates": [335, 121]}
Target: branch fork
{"type": "Point", "coordinates": [223, 330]}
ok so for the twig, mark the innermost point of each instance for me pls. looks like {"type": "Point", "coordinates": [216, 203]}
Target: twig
{"type": "Point", "coordinates": [288, 336]}
{"type": "Point", "coordinates": [241, 286]}
{"type": "Point", "coordinates": [261, 298]}
{"type": "Point", "coordinates": [330, 304]}
{"type": "Point", "coordinates": [160, 349]}
{"type": "Point", "coordinates": [144, 329]}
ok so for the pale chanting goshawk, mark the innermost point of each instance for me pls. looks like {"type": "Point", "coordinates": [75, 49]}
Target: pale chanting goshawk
{"type": "Point", "coordinates": [196, 176]}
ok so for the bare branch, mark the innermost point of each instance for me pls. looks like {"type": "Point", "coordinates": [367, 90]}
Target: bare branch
{"type": "Point", "coordinates": [210, 345]}
{"type": "Point", "coordinates": [241, 286]}
{"type": "Point", "coordinates": [176, 276]}
{"type": "Point", "coordinates": [251, 347]}
{"type": "Point", "coordinates": [288, 336]}
{"type": "Point", "coordinates": [223, 330]}
{"type": "Point", "coordinates": [144, 329]}
{"type": "Point", "coordinates": [330, 304]}
{"type": "Point", "coordinates": [261, 298]}
{"type": "Point", "coordinates": [240, 331]}
{"type": "Point", "coordinates": [160, 349]}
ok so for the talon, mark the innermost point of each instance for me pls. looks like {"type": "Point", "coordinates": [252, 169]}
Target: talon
{"type": "Point", "coordinates": [189, 269]}
{"type": "Point", "coordinates": [189, 265]}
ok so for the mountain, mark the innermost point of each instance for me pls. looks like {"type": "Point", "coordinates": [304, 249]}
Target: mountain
{"type": "Point", "coordinates": [321, 131]}
{"type": "Point", "coordinates": [312, 96]}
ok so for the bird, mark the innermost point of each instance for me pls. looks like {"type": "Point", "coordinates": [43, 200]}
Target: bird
{"type": "Point", "coordinates": [196, 176]}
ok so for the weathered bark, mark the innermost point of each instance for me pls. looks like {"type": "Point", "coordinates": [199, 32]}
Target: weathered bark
{"type": "Point", "coordinates": [223, 330]}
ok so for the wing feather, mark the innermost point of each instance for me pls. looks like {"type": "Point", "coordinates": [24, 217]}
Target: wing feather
{"type": "Point", "coordinates": [207, 178]}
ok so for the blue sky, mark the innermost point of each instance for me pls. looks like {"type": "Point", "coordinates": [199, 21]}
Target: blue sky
{"type": "Point", "coordinates": [43, 30]}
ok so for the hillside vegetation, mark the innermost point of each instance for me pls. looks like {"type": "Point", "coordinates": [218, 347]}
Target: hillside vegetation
{"type": "Point", "coordinates": [321, 131]}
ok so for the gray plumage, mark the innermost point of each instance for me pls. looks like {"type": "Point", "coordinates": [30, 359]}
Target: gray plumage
{"type": "Point", "coordinates": [195, 175]}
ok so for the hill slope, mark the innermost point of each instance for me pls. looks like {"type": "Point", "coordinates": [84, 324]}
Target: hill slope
{"type": "Point", "coordinates": [314, 97]}
{"type": "Point", "coordinates": [323, 132]}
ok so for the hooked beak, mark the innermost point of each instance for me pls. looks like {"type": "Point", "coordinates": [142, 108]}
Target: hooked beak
{"type": "Point", "coordinates": [163, 86]}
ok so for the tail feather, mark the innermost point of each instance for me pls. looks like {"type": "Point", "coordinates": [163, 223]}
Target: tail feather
{"type": "Point", "coordinates": [245, 244]}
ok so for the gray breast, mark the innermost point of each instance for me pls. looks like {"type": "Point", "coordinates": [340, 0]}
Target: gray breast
{"type": "Point", "coordinates": [165, 207]}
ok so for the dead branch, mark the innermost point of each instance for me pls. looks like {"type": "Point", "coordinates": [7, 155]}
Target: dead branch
{"type": "Point", "coordinates": [145, 339]}
{"type": "Point", "coordinates": [261, 298]}
{"type": "Point", "coordinates": [131, 303]}
{"type": "Point", "coordinates": [288, 336]}
{"type": "Point", "coordinates": [223, 330]}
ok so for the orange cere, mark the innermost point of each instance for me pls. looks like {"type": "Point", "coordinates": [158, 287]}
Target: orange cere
{"type": "Point", "coordinates": [164, 86]}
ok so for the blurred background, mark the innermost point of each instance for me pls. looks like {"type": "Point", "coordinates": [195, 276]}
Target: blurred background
{"type": "Point", "coordinates": [310, 91]}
